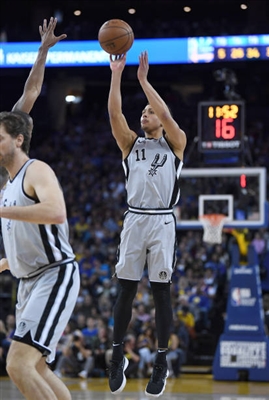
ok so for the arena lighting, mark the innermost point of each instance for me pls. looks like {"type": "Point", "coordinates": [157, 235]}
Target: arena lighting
{"type": "Point", "coordinates": [70, 98]}
{"type": "Point", "coordinates": [187, 9]}
{"type": "Point", "coordinates": [131, 10]}
{"type": "Point", "coordinates": [243, 6]}
{"type": "Point", "coordinates": [77, 13]}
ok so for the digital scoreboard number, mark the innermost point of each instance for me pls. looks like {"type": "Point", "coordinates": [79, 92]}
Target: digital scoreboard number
{"type": "Point", "coordinates": [221, 126]}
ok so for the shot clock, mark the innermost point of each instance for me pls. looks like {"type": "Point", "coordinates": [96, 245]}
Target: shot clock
{"type": "Point", "coordinates": [221, 126]}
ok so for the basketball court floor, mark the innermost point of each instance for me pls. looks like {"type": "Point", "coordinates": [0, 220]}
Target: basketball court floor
{"type": "Point", "coordinates": [186, 387]}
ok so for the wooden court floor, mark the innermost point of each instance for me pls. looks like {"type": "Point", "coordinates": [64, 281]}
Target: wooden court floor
{"type": "Point", "coordinates": [186, 387]}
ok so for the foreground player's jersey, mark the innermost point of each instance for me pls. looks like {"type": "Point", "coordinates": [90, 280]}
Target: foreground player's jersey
{"type": "Point", "coordinates": [31, 248]}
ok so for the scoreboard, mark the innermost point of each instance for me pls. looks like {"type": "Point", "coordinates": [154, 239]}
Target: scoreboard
{"type": "Point", "coordinates": [240, 53]}
{"type": "Point", "coordinates": [221, 126]}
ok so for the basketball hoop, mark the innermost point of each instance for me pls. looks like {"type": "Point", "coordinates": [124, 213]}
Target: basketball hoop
{"type": "Point", "coordinates": [212, 224]}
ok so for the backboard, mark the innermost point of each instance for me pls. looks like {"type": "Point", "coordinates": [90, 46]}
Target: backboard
{"type": "Point", "coordinates": [238, 193]}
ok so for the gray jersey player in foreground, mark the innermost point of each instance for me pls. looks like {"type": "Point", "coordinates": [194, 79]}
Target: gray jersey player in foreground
{"type": "Point", "coordinates": [152, 166]}
{"type": "Point", "coordinates": [35, 235]}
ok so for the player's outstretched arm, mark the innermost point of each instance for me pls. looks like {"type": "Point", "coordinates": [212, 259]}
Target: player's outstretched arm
{"type": "Point", "coordinates": [120, 128]}
{"type": "Point", "coordinates": [175, 135]}
{"type": "Point", "coordinates": [33, 84]}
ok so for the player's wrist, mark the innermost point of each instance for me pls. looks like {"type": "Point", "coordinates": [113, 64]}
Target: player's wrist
{"type": "Point", "coordinates": [44, 48]}
{"type": "Point", "coordinates": [143, 81]}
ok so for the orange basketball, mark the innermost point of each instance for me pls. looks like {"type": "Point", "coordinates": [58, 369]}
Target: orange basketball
{"type": "Point", "coordinates": [116, 37]}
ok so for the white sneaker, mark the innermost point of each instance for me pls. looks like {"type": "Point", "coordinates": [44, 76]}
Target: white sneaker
{"type": "Point", "coordinates": [83, 374]}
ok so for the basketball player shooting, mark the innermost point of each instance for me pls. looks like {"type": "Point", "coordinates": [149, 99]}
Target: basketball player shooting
{"type": "Point", "coordinates": [152, 166]}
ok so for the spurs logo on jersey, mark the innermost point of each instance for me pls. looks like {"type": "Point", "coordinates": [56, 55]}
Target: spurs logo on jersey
{"type": "Point", "coordinates": [163, 275]}
{"type": "Point", "coordinates": [11, 203]}
{"type": "Point", "coordinates": [155, 164]}
{"type": "Point", "coordinates": [22, 328]}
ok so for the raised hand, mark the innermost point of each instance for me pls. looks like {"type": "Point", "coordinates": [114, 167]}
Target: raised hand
{"type": "Point", "coordinates": [117, 63]}
{"type": "Point", "coordinates": [143, 68]}
{"type": "Point", "coordinates": [48, 38]}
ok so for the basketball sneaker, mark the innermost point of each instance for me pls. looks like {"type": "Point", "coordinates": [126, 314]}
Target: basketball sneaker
{"type": "Point", "coordinates": [117, 379]}
{"type": "Point", "coordinates": [157, 382]}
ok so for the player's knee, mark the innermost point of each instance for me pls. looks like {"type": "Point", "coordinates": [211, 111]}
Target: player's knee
{"type": "Point", "coordinates": [14, 368]}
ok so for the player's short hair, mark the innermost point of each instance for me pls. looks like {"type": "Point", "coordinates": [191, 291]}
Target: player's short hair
{"type": "Point", "coordinates": [18, 123]}
{"type": "Point", "coordinates": [148, 104]}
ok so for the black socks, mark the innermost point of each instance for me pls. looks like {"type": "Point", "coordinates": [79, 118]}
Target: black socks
{"type": "Point", "coordinates": [117, 354]}
{"type": "Point", "coordinates": [161, 357]}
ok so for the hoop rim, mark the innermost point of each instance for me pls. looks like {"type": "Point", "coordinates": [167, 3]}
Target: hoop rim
{"type": "Point", "coordinates": [214, 219]}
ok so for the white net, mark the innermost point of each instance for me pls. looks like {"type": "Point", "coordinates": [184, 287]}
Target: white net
{"type": "Point", "coordinates": [212, 224]}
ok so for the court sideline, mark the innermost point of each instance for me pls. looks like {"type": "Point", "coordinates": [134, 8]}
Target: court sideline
{"type": "Point", "coordinates": [186, 387]}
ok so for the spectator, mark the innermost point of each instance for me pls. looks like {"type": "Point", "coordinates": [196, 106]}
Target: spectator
{"type": "Point", "coordinates": [175, 356]}
{"type": "Point", "coordinates": [85, 307]}
{"type": "Point", "coordinates": [99, 346]}
{"type": "Point", "coordinates": [142, 316]}
{"type": "Point", "coordinates": [184, 337]}
{"type": "Point", "coordinates": [143, 292]}
{"type": "Point", "coordinates": [184, 289]}
{"type": "Point", "coordinates": [82, 229]}
{"type": "Point", "coordinates": [131, 352]}
{"type": "Point", "coordinates": [80, 320]}
{"type": "Point", "coordinates": [101, 270]}
{"type": "Point", "coordinates": [258, 242]}
{"type": "Point", "coordinates": [76, 359]}
{"type": "Point", "coordinates": [146, 344]}
{"type": "Point", "coordinates": [187, 318]}
{"type": "Point", "coordinates": [243, 239]}
{"type": "Point", "coordinates": [200, 304]}
{"type": "Point", "coordinates": [90, 332]}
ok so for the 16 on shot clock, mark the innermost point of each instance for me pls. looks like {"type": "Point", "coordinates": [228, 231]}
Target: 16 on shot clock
{"type": "Point", "coordinates": [221, 126]}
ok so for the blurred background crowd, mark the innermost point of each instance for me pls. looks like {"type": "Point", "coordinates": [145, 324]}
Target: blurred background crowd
{"type": "Point", "coordinates": [75, 139]}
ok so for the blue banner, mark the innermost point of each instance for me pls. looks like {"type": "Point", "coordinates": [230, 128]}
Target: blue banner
{"type": "Point", "coordinates": [191, 50]}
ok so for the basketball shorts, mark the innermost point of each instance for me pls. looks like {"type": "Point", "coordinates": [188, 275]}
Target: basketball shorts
{"type": "Point", "coordinates": [147, 241]}
{"type": "Point", "coordinates": [44, 306]}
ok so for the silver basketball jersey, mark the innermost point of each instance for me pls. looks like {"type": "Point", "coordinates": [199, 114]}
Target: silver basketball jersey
{"type": "Point", "coordinates": [152, 173]}
{"type": "Point", "coordinates": [31, 248]}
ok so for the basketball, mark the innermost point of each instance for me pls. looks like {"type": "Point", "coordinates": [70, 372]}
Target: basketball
{"type": "Point", "coordinates": [116, 37]}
